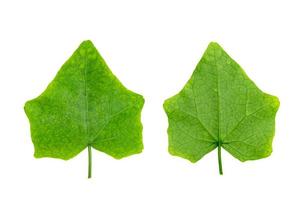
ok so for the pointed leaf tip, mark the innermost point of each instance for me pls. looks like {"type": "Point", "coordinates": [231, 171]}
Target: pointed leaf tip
{"type": "Point", "coordinates": [87, 43]}
{"type": "Point", "coordinates": [213, 44]}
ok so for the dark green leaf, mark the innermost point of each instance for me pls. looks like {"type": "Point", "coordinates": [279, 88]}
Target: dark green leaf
{"type": "Point", "coordinates": [85, 106]}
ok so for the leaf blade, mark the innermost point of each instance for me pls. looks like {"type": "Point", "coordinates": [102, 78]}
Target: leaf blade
{"type": "Point", "coordinates": [78, 104]}
{"type": "Point", "coordinates": [220, 95]}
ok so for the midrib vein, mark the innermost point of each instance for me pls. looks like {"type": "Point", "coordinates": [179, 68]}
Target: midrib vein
{"type": "Point", "coordinates": [86, 116]}
{"type": "Point", "coordinates": [218, 100]}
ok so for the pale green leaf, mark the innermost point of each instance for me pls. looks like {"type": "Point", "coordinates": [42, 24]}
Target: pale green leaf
{"type": "Point", "coordinates": [220, 107]}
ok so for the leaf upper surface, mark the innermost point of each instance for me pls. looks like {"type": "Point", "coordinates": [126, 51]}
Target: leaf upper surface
{"type": "Point", "coordinates": [85, 105]}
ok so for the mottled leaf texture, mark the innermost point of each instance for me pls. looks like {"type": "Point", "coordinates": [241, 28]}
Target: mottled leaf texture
{"type": "Point", "coordinates": [85, 106]}
{"type": "Point", "coordinates": [220, 107]}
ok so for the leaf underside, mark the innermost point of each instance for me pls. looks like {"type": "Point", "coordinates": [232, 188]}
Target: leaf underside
{"type": "Point", "coordinates": [85, 105]}
{"type": "Point", "coordinates": [220, 107]}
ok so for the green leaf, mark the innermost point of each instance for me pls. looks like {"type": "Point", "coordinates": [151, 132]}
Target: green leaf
{"type": "Point", "coordinates": [85, 106]}
{"type": "Point", "coordinates": [220, 107]}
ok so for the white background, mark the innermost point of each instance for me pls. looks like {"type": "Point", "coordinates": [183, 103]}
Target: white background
{"type": "Point", "coordinates": [153, 48]}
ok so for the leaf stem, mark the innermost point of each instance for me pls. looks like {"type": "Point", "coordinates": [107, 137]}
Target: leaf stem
{"type": "Point", "coordinates": [220, 158]}
{"type": "Point", "coordinates": [90, 161]}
